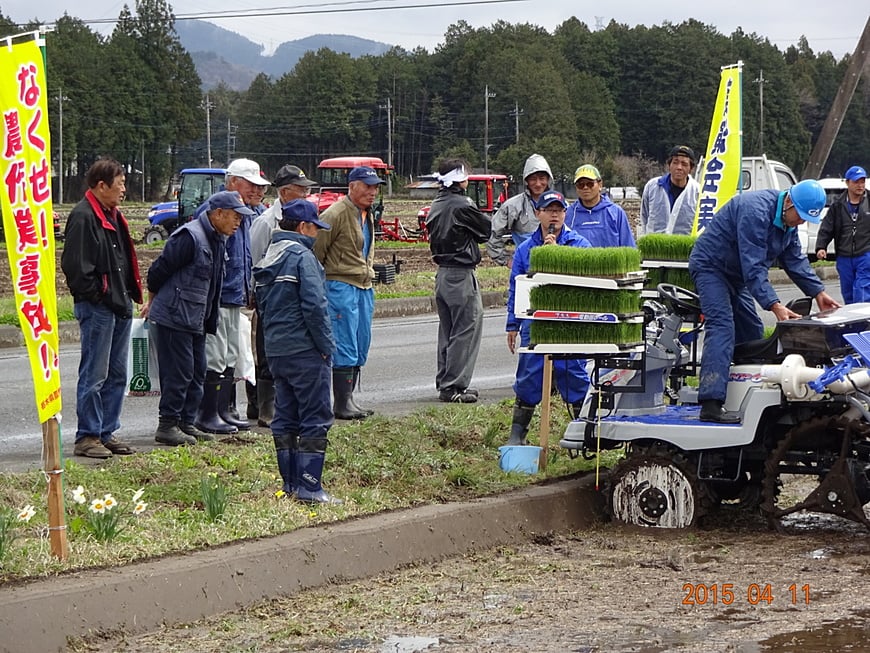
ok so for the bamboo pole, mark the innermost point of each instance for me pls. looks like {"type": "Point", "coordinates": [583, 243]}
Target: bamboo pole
{"type": "Point", "coordinates": [544, 434]}
{"type": "Point", "coordinates": [54, 471]}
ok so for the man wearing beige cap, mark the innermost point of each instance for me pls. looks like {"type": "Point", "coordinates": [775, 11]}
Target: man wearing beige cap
{"type": "Point", "coordinates": [217, 411]}
{"type": "Point", "coordinates": [594, 216]}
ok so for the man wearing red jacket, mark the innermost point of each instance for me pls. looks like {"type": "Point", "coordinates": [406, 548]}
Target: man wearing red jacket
{"type": "Point", "coordinates": [102, 273]}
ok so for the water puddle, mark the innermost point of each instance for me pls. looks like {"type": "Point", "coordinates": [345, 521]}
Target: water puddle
{"type": "Point", "coordinates": [849, 634]}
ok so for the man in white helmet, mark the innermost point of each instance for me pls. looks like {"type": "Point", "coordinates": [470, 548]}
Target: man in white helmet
{"type": "Point", "coordinates": [516, 217]}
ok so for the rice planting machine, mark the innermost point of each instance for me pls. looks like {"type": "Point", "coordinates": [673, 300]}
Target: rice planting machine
{"type": "Point", "coordinates": [803, 393]}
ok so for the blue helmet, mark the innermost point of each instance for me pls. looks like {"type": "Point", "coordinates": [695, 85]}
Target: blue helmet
{"type": "Point", "coordinates": [808, 198]}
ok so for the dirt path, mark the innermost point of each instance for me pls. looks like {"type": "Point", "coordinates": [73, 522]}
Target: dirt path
{"type": "Point", "coordinates": [734, 587]}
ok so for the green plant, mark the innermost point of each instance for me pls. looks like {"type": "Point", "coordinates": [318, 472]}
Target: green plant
{"type": "Point", "coordinates": [101, 518]}
{"type": "Point", "coordinates": [666, 247]}
{"type": "Point", "coordinates": [585, 261]}
{"type": "Point", "coordinates": [9, 521]}
{"type": "Point", "coordinates": [214, 497]}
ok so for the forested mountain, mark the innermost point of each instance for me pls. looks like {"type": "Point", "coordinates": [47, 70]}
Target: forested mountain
{"type": "Point", "coordinates": [619, 97]}
{"type": "Point", "coordinates": [222, 56]}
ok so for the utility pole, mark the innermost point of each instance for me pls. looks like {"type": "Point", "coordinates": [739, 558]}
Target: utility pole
{"type": "Point", "coordinates": [208, 106]}
{"type": "Point", "coordinates": [60, 99]}
{"type": "Point", "coordinates": [389, 108]}
{"type": "Point", "coordinates": [831, 128]}
{"type": "Point", "coordinates": [486, 96]}
{"type": "Point", "coordinates": [516, 113]}
{"type": "Point", "coordinates": [231, 141]}
{"type": "Point", "coordinates": [760, 81]}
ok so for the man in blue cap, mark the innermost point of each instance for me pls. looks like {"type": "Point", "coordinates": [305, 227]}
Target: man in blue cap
{"type": "Point", "coordinates": [572, 380]}
{"type": "Point", "coordinates": [184, 306]}
{"type": "Point", "coordinates": [291, 298]}
{"type": "Point", "coordinates": [348, 255]}
{"type": "Point", "coordinates": [847, 223]}
{"type": "Point", "coordinates": [729, 265]}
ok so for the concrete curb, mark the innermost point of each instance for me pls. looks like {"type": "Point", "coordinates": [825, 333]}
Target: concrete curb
{"type": "Point", "coordinates": [141, 597]}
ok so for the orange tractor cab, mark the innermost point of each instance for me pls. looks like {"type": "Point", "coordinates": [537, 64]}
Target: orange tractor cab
{"type": "Point", "coordinates": [332, 176]}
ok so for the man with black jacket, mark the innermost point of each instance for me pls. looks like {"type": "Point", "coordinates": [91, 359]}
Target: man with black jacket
{"type": "Point", "coordinates": [456, 230]}
{"type": "Point", "coordinates": [847, 223]}
{"type": "Point", "coordinates": [102, 273]}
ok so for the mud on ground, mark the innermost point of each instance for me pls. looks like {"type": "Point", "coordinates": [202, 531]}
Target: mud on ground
{"type": "Point", "coordinates": [734, 587]}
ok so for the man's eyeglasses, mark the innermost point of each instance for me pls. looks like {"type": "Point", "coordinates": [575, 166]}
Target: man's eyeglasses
{"type": "Point", "coordinates": [585, 184]}
{"type": "Point", "coordinates": [553, 211]}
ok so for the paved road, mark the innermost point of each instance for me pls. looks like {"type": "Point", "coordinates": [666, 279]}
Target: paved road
{"type": "Point", "coordinates": [398, 378]}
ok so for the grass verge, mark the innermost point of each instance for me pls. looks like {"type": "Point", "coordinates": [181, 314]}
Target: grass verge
{"type": "Point", "coordinates": [436, 455]}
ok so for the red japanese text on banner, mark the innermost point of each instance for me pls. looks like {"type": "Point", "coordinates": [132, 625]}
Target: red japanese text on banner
{"type": "Point", "coordinates": [25, 199]}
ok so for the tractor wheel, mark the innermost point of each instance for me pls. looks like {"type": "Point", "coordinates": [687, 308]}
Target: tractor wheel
{"type": "Point", "coordinates": [656, 490]}
{"type": "Point", "coordinates": [155, 233]}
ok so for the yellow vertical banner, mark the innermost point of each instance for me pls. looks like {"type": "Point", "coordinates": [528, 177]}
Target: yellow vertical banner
{"type": "Point", "coordinates": [720, 175]}
{"type": "Point", "coordinates": [25, 199]}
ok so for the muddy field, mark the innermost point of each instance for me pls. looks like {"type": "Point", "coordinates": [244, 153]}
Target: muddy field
{"type": "Point", "coordinates": [734, 587]}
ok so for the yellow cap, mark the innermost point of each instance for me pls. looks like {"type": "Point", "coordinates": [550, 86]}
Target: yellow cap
{"type": "Point", "coordinates": [587, 171]}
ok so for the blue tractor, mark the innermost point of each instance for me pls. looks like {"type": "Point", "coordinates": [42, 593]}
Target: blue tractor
{"type": "Point", "coordinates": [197, 184]}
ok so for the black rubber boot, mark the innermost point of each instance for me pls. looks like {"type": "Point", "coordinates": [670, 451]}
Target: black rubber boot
{"type": "Point", "coordinates": [189, 428]}
{"type": "Point", "coordinates": [207, 419]}
{"type": "Point", "coordinates": [265, 401]}
{"type": "Point", "coordinates": [168, 433]}
{"type": "Point", "coordinates": [522, 417]}
{"type": "Point", "coordinates": [252, 411]}
{"type": "Point", "coordinates": [342, 392]}
{"type": "Point", "coordinates": [309, 460]}
{"type": "Point", "coordinates": [713, 411]}
{"type": "Point", "coordinates": [356, 375]}
{"type": "Point", "coordinates": [285, 452]}
{"type": "Point", "coordinates": [226, 406]}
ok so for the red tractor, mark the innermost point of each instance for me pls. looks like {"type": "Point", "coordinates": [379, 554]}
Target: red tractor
{"type": "Point", "coordinates": [332, 175]}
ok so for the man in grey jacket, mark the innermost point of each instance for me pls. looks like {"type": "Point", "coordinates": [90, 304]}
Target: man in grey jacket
{"type": "Point", "coordinates": [516, 217]}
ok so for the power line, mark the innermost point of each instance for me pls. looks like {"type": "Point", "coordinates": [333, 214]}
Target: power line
{"type": "Point", "coordinates": [302, 10]}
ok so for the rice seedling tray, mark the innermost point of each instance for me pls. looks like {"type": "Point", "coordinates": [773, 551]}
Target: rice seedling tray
{"type": "Point", "coordinates": [581, 316]}
{"type": "Point", "coordinates": [585, 349]}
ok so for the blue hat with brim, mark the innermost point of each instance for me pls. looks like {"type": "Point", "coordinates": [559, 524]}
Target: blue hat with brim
{"type": "Point", "coordinates": [364, 174]}
{"type": "Point", "coordinates": [855, 173]}
{"type": "Point", "coordinates": [551, 197]}
{"type": "Point", "coordinates": [302, 211]}
{"type": "Point", "coordinates": [225, 199]}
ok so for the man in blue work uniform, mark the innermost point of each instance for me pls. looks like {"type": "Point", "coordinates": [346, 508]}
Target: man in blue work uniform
{"type": "Point", "coordinates": [291, 297]}
{"type": "Point", "coordinates": [594, 216]}
{"type": "Point", "coordinates": [729, 265]}
{"type": "Point", "coordinates": [571, 377]}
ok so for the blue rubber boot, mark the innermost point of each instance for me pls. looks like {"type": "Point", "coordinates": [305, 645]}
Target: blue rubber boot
{"type": "Point", "coordinates": [285, 452]}
{"type": "Point", "coordinates": [310, 456]}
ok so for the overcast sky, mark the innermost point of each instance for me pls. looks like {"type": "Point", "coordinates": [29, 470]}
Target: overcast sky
{"type": "Point", "coordinates": [833, 25]}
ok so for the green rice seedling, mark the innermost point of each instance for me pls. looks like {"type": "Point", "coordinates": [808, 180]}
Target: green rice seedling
{"type": "Point", "coordinates": [591, 300]}
{"type": "Point", "coordinates": [562, 333]}
{"type": "Point", "coordinates": [666, 247]}
{"type": "Point", "coordinates": [585, 261]}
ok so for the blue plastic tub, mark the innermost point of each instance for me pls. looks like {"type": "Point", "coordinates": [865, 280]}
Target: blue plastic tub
{"type": "Point", "coordinates": [523, 459]}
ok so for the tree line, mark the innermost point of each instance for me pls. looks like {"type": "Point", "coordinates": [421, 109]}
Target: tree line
{"type": "Point", "coordinates": [620, 97]}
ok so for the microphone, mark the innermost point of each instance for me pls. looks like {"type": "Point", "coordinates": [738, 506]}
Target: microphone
{"type": "Point", "coordinates": [551, 229]}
